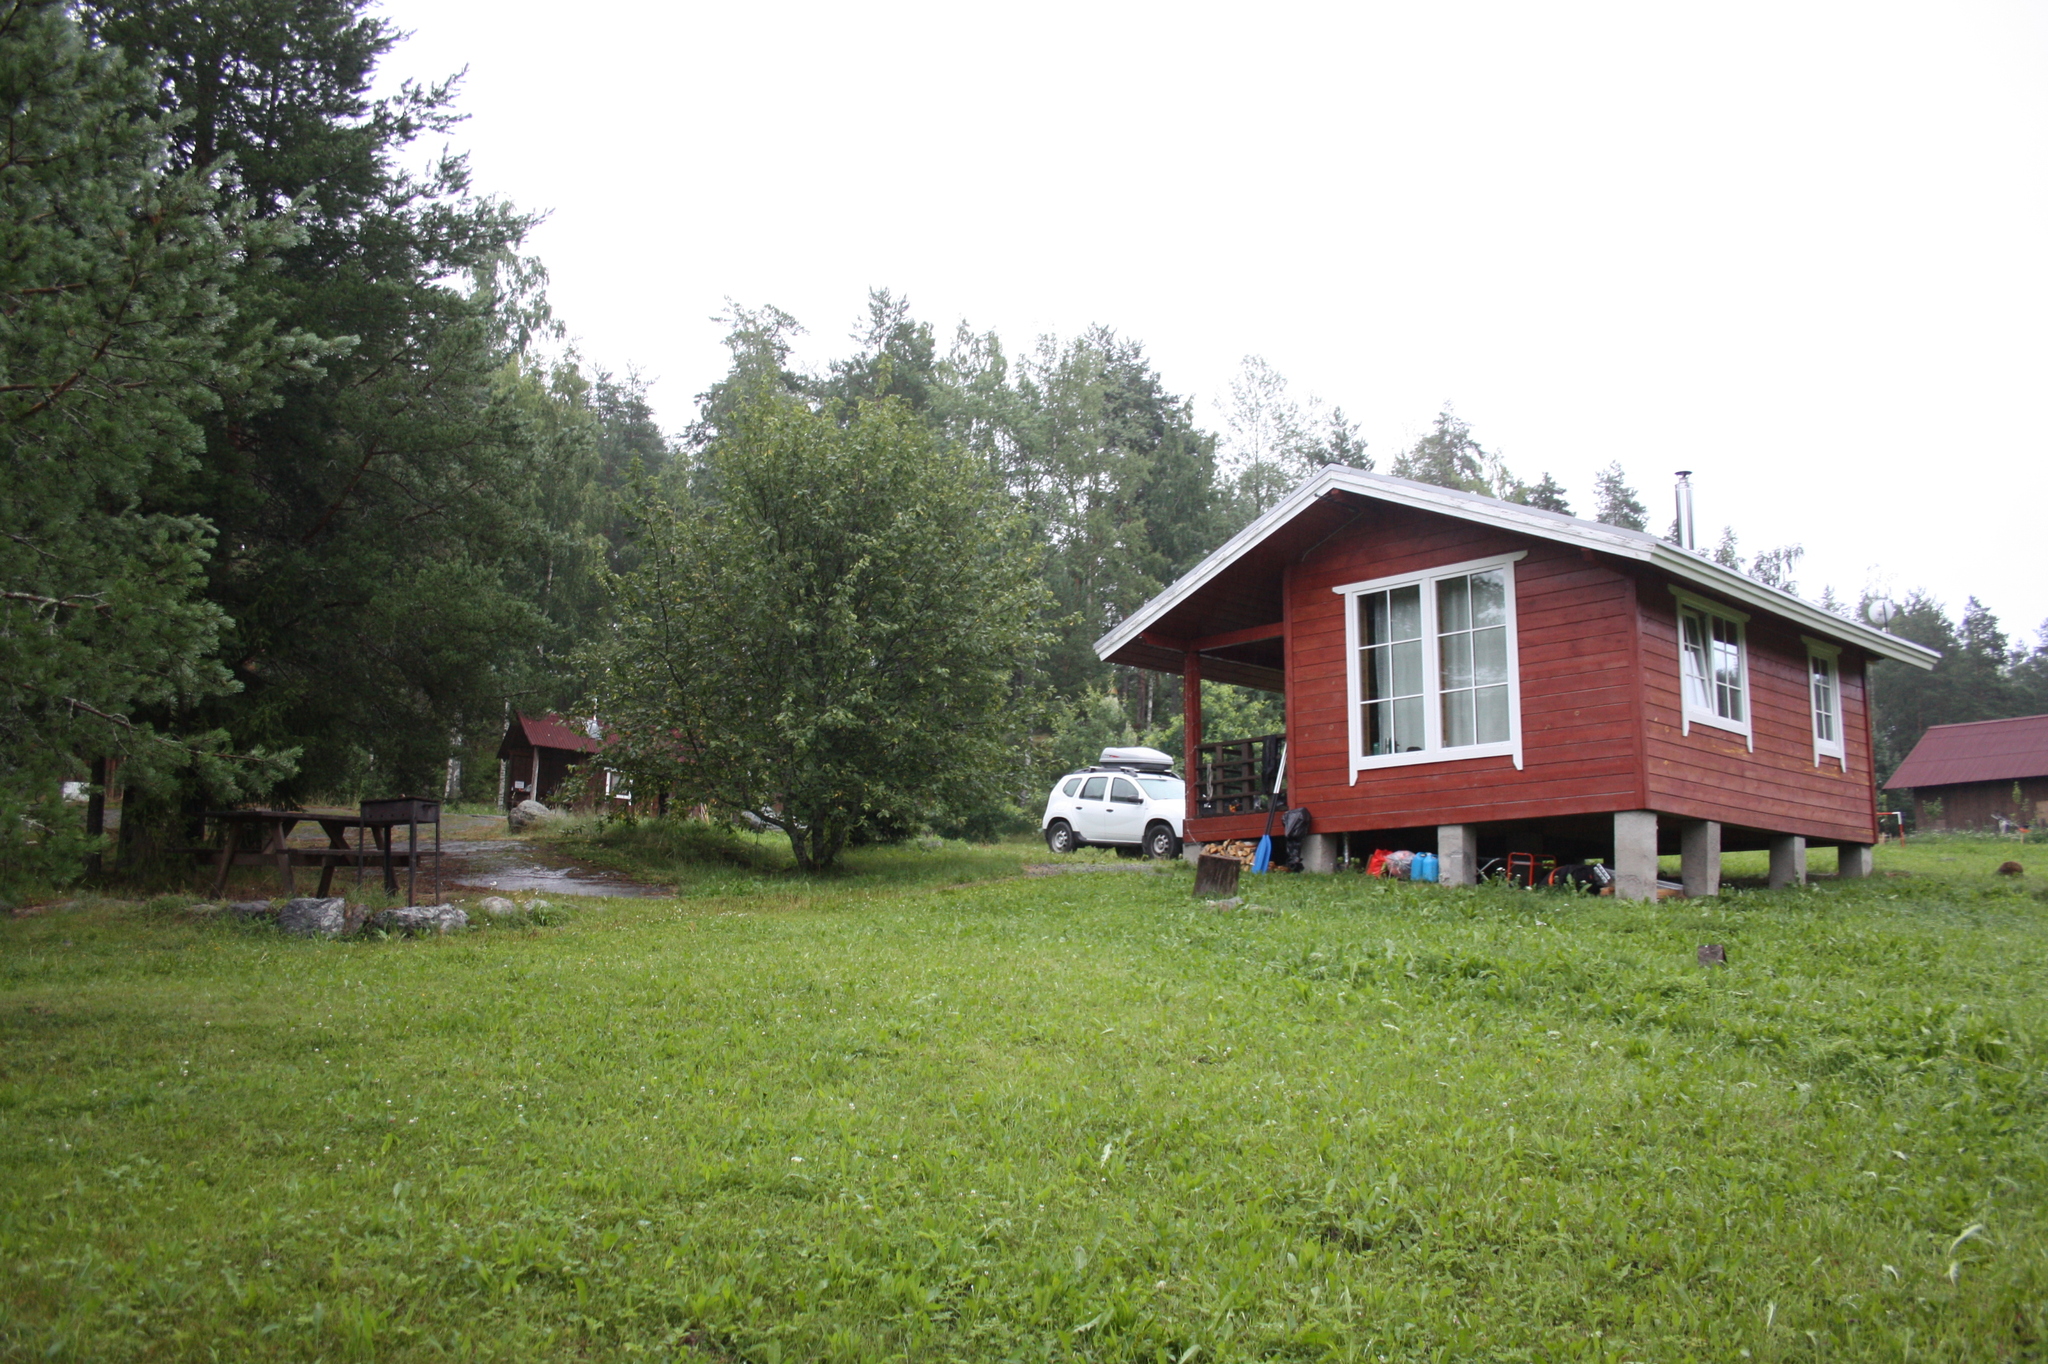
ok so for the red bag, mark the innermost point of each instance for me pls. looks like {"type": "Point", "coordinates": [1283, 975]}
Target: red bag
{"type": "Point", "coordinates": [1378, 865]}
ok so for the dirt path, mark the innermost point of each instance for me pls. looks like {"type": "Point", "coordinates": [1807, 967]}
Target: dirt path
{"type": "Point", "coordinates": [1069, 868]}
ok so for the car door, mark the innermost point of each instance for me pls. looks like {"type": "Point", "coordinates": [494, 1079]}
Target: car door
{"type": "Point", "coordinates": [1088, 814]}
{"type": "Point", "coordinates": [1123, 814]}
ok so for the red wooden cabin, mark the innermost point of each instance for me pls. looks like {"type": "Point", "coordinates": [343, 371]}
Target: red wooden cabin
{"type": "Point", "coordinates": [538, 753]}
{"type": "Point", "coordinates": [1483, 678]}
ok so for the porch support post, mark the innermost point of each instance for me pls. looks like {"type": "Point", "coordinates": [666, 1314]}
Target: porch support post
{"type": "Point", "coordinates": [1635, 854]}
{"type": "Point", "coordinates": [1191, 714]}
{"type": "Point", "coordinates": [1319, 852]}
{"type": "Point", "coordinates": [1457, 853]}
{"type": "Point", "coordinates": [1788, 861]}
{"type": "Point", "coordinates": [1699, 851]}
{"type": "Point", "coordinates": [1855, 861]}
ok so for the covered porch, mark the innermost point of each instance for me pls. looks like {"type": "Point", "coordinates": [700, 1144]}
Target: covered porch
{"type": "Point", "coordinates": [1234, 628]}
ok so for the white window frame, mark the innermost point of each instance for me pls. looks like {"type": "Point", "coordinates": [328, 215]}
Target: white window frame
{"type": "Point", "coordinates": [1691, 712]}
{"type": "Point", "coordinates": [1831, 654]}
{"type": "Point", "coordinates": [1433, 750]}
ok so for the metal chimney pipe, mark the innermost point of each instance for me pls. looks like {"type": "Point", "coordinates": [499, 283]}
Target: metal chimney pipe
{"type": "Point", "coordinates": [1685, 535]}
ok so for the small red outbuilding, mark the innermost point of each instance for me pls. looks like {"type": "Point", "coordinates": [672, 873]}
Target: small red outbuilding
{"type": "Point", "coordinates": [539, 753]}
{"type": "Point", "coordinates": [1489, 678]}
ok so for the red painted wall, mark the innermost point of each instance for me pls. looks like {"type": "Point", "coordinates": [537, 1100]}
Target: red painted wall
{"type": "Point", "coordinates": [1573, 622]}
{"type": "Point", "coordinates": [1711, 774]}
{"type": "Point", "coordinates": [1599, 666]}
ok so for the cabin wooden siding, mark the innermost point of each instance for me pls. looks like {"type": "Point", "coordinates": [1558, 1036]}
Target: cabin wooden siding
{"type": "Point", "coordinates": [1978, 804]}
{"type": "Point", "coordinates": [555, 766]}
{"type": "Point", "coordinates": [1573, 620]}
{"type": "Point", "coordinates": [1597, 649]}
{"type": "Point", "coordinates": [1711, 773]}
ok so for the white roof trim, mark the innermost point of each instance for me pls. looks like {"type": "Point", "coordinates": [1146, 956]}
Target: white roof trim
{"type": "Point", "coordinates": [1616, 540]}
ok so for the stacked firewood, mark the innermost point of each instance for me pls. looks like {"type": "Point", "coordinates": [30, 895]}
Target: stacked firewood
{"type": "Point", "coordinates": [1242, 849]}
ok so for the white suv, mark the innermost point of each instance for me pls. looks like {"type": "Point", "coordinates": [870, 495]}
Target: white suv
{"type": "Point", "coordinates": [1130, 801]}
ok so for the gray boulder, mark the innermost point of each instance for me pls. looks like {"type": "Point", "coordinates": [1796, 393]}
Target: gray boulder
{"type": "Point", "coordinates": [417, 919]}
{"type": "Point", "coordinates": [252, 909]}
{"type": "Point", "coordinates": [497, 906]}
{"type": "Point", "coordinates": [527, 814]}
{"type": "Point", "coordinates": [310, 918]}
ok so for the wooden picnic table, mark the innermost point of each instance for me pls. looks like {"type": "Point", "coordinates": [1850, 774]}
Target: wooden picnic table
{"type": "Point", "coordinates": [379, 818]}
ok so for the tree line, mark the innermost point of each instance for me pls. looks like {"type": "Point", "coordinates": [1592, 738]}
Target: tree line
{"type": "Point", "coordinates": [299, 501]}
{"type": "Point", "coordinates": [308, 495]}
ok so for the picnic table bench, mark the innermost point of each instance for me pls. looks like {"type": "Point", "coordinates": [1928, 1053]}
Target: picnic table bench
{"type": "Point", "coordinates": [380, 820]}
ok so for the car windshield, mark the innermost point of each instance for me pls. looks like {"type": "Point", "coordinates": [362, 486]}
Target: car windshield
{"type": "Point", "coordinates": [1163, 788]}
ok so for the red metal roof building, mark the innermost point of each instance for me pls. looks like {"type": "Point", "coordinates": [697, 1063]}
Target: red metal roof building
{"type": "Point", "coordinates": [1964, 776]}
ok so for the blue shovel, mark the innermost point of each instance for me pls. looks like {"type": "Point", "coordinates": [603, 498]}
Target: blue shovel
{"type": "Point", "coordinates": [1263, 858]}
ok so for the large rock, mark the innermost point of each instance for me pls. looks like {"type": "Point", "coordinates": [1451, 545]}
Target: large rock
{"type": "Point", "coordinates": [310, 918]}
{"type": "Point", "coordinates": [416, 919]}
{"type": "Point", "coordinates": [527, 814]}
{"type": "Point", "coordinates": [252, 909]}
{"type": "Point", "coordinates": [497, 906]}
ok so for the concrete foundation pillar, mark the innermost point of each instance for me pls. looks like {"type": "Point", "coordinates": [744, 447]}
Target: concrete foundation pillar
{"type": "Point", "coordinates": [1788, 861]}
{"type": "Point", "coordinates": [1856, 861]}
{"type": "Point", "coordinates": [1699, 851]}
{"type": "Point", "coordinates": [1190, 852]}
{"type": "Point", "coordinates": [1319, 851]}
{"type": "Point", "coordinates": [1457, 852]}
{"type": "Point", "coordinates": [1635, 855]}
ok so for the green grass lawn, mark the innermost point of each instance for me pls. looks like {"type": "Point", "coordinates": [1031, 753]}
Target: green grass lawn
{"type": "Point", "coordinates": [915, 1113]}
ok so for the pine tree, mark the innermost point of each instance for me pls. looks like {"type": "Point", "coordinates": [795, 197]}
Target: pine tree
{"type": "Point", "coordinates": [2030, 677]}
{"type": "Point", "coordinates": [1616, 502]}
{"type": "Point", "coordinates": [402, 524]}
{"type": "Point", "coordinates": [1340, 444]}
{"type": "Point", "coordinates": [117, 276]}
{"type": "Point", "coordinates": [1547, 495]}
{"type": "Point", "coordinates": [1448, 457]}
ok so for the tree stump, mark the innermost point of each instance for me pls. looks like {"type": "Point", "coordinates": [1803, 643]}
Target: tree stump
{"type": "Point", "coordinates": [1216, 877]}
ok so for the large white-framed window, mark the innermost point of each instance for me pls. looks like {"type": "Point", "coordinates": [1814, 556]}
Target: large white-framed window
{"type": "Point", "coordinates": [1713, 666]}
{"type": "Point", "coordinates": [1824, 688]}
{"type": "Point", "coordinates": [1433, 673]}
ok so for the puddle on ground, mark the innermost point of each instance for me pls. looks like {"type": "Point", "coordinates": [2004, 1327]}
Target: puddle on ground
{"type": "Point", "coordinates": [505, 866]}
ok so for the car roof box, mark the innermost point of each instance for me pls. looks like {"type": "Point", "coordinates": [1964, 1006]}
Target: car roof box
{"type": "Point", "coordinates": [1142, 759]}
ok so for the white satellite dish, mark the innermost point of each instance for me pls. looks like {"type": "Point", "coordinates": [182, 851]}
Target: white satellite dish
{"type": "Point", "coordinates": [1881, 612]}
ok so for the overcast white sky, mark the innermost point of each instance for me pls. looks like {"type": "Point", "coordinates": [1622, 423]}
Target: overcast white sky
{"type": "Point", "coordinates": [1797, 248]}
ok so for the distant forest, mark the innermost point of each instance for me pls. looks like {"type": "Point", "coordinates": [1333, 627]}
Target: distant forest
{"type": "Point", "coordinates": [307, 492]}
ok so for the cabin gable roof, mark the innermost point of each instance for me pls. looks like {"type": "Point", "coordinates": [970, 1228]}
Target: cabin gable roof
{"type": "Point", "coordinates": [1242, 579]}
{"type": "Point", "coordinates": [546, 731]}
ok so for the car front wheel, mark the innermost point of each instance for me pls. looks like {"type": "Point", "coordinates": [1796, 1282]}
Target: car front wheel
{"type": "Point", "coordinates": [1160, 843]}
{"type": "Point", "coordinates": [1059, 836]}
